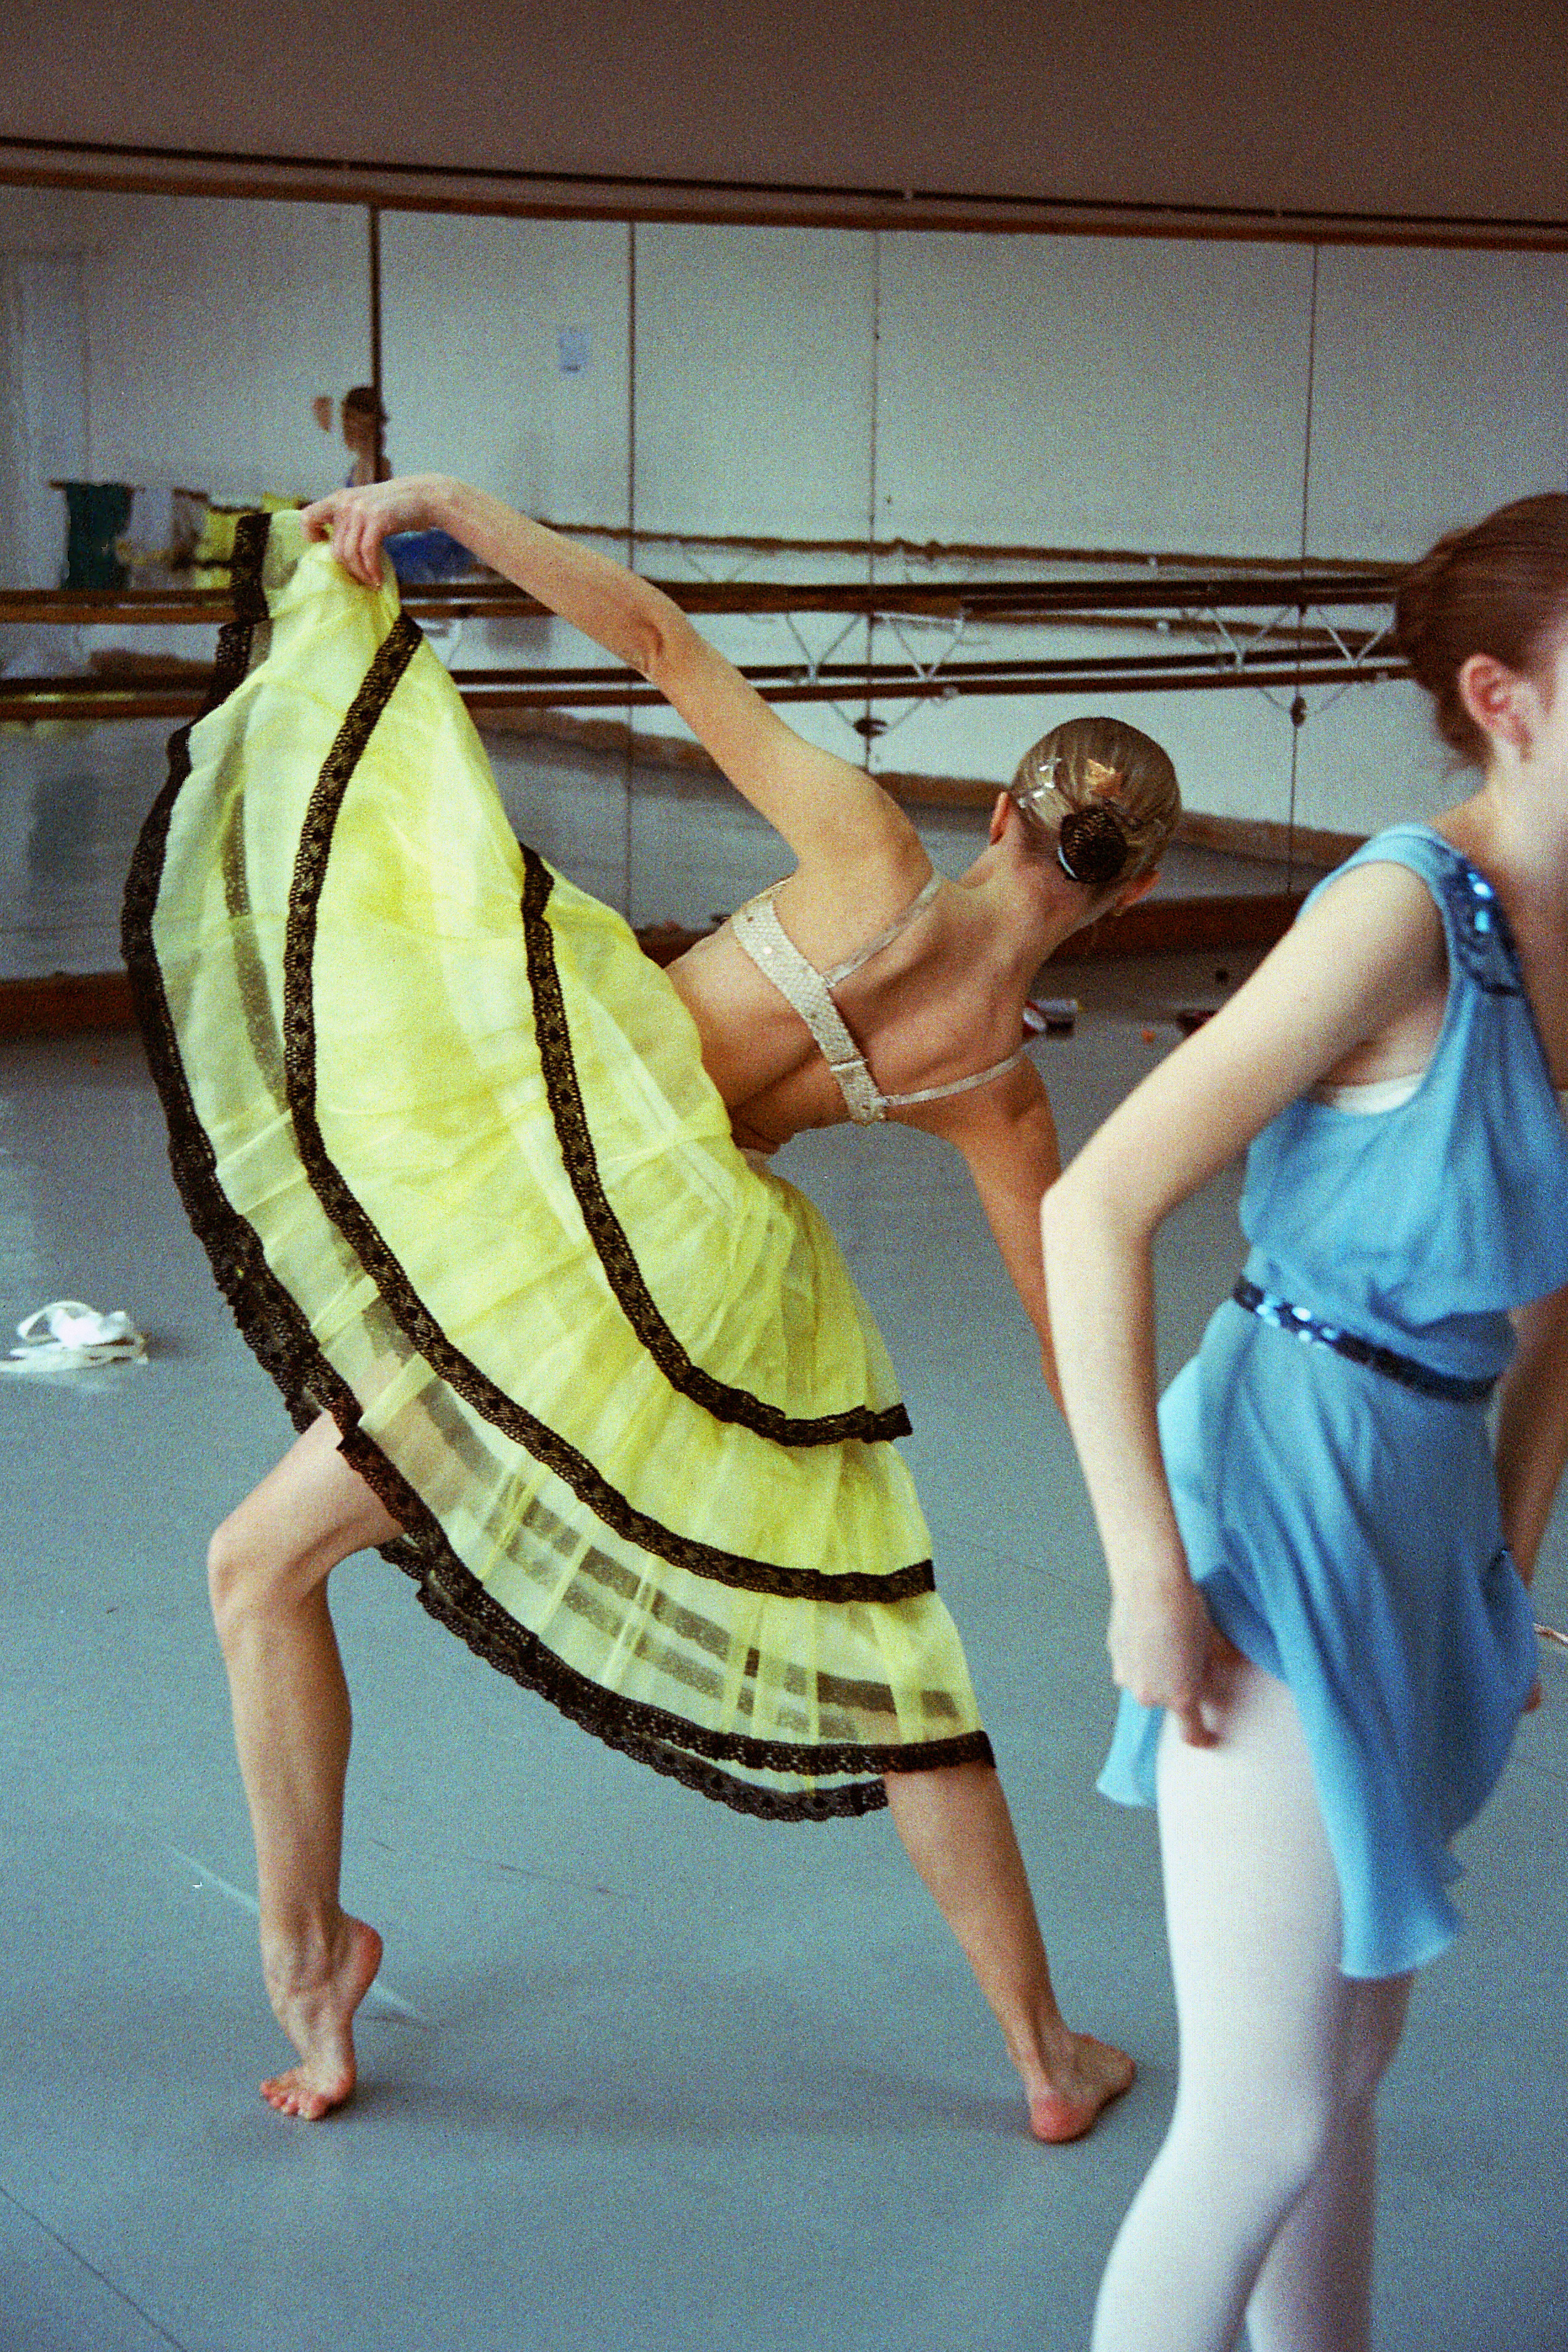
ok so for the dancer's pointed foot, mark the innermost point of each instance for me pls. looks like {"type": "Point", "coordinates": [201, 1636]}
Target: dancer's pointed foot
{"type": "Point", "coordinates": [313, 2000]}
{"type": "Point", "coordinates": [1085, 2076]}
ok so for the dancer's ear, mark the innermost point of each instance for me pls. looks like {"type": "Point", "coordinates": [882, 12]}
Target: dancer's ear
{"type": "Point", "coordinates": [999, 818]}
{"type": "Point", "coordinates": [1503, 703]}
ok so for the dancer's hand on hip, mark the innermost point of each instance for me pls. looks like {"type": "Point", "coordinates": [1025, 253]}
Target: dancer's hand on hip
{"type": "Point", "coordinates": [1163, 1647]}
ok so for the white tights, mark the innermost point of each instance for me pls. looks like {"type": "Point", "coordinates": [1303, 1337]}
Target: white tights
{"type": "Point", "coordinates": [1260, 2203]}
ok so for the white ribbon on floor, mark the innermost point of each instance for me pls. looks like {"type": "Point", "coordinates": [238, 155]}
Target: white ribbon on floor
{"type": "Point", "coordinates": [67, 1333]}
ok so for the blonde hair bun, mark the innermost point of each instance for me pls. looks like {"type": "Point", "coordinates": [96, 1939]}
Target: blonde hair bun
{"type": "Point", "coordinates": [1107, 790]}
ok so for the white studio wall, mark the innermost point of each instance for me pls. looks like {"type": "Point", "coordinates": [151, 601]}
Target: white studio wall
{"type": "Point", "coordinates": [212, 327]}
{"type": "Point", "coordinates": [1368, 758]}
{"type": "Point", "coordinates": [755, 414]}
{"type": "Point", "coordinates": [1088, 392]}
{"type": "Point", "coordinates": [712, 381]}
{"type": "Point", "coordinates": [1440, 390]}
{"type": "Point", "coordinates": [476, 379]}
{"type": "Point", "coordinates": [43, 406]}
{"type": "Point", "coordinates": [756, 368]}
{"type": "Point", "coordinates": [209, 325]}
{"type": "Point", "coordinates": [505, 362]}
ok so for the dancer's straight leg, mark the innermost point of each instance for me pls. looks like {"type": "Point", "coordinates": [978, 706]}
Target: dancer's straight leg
{"type": "Point", "coordinates": [959, 1833]}
{"type": "Point", "coordinates": [1314, 2290]}
{"type": "Point", "coordinates": [1280, 2057]}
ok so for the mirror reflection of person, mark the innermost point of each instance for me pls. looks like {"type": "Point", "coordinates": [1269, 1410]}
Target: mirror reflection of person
{"type": "Point", "coordinates": [593, 1363]}
{"type": "Point", "coordinates": [356, 422]}
{"type": "Point", "coordinates": [418, 557]}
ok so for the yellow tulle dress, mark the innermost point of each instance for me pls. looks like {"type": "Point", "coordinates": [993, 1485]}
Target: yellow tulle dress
{"type": "Point", "coordinates": [447, 1137]}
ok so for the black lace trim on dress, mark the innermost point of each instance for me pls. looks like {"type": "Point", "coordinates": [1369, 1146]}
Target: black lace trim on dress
{"type": "Point", "coordinates": [668, 1743]}
{"type": "Point", "coordinates": [231, 658]}
{"type": "Point", "coordinates": [273, 1325]}
{"type": "Point", "coordinates": [279, 1333]}
{"type": "Point", "coordinates": [256, 997]}
{"type": "Point", "coordinates": [608, 1235]}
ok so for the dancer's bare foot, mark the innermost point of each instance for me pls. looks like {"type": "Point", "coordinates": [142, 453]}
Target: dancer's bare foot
{"type": "Point", "coordinates": [313, 2000]}
{"type": "Point", "coordinates": [1086, 2075]}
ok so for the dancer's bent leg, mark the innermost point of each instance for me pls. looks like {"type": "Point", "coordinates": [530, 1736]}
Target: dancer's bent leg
{"type": "Point", "coordinates": [267, 1569]}
{"type": "Point", "coordinates": [1279, 2058]}
{"type": "Point", "coordinates": [959, 1833]}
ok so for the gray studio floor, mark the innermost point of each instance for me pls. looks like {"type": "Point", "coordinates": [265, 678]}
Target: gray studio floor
{"type": "Point", "coordinates": [640, 2074]}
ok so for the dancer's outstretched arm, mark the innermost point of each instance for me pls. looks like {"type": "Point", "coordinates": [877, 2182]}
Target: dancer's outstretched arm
{"type": "Point", "coordinates": [830, 812]}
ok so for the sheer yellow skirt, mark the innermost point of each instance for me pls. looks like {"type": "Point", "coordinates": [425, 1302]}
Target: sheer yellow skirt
{"type": "Point", "coordinates": [447, 1137]}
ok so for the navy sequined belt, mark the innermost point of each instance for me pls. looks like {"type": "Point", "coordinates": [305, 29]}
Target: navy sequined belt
{"type": "Point", "coordinates": [1451, 1386]}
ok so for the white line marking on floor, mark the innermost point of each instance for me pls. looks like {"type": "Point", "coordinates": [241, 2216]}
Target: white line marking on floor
{"type": "Point", "coordinates": [380, 1992]}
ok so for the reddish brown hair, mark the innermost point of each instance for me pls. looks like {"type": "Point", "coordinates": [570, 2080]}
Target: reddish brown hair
{"type": "Point", "coordinates": [1499, 588]}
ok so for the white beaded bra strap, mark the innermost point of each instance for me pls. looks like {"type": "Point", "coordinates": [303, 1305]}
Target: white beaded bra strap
{"type": "Point", "coordinates": [958, 1086]}
{"type": "Point", "coordinates": [760, 934]}
{"type": "Point", "coordinates": [885, 938]}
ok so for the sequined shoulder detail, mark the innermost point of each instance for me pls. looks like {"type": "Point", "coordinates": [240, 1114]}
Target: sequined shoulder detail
{"type": "Point", "coordinates": [1482, 945]}
{"type": "Point", "coordinates": [1477, 926]}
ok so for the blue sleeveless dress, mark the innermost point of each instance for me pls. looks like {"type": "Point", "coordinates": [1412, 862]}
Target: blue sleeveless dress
{"type": "Point", "coordinates": [1342, 1515]}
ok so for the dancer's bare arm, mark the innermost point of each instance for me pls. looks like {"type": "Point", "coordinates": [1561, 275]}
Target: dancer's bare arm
{"type": "Point", "coordinates": [831, 814]}
{"type": "Point", "coordinates": [1532, 1426]}
{"type": "Point", "coordinates": [1006, 1134]}
{"type": "Point", "coordinates": [1368, 956]}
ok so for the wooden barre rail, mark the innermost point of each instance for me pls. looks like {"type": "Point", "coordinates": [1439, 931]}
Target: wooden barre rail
{"type": "Point", "coordinates": [99, 700]}
{"type": "Point", "coordinates": [1020, 601]}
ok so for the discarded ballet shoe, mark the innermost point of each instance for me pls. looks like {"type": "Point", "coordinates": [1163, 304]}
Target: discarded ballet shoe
{"type": "Point", "coordinates": [67, 1334]}
{"type": "Point", "coordinates": [1049, 1016]}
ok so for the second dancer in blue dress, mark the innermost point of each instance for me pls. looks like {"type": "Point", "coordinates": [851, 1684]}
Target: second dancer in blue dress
{"type": "Point", "coordinates": [1319, 1620]}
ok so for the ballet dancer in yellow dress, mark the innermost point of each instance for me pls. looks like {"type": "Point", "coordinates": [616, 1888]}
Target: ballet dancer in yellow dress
{"type": "Point", "coordinates": [490, 1196]}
